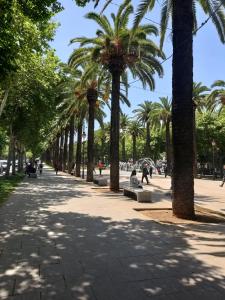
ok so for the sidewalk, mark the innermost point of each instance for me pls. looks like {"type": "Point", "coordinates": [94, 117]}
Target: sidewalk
{"type": "Point", "coordinates": [60, 238]}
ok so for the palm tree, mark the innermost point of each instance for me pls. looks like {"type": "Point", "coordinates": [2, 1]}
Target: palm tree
{"type": "Point", "coordinates": [135, 131]}
{"type": "Point", "coordinates": [143, 116]}
{"type": "Point", "coordinates": [199, 97]}
{"type": "Point", "coordinates": [216, 98]}
{"type": "Point", "coordinates": [116, 48]}
{"type": "Point", "coordinates": [82, 101]}
{"type": "Point", "coordinates": [124, 122]}
{"type": "Point", "coordinates": [184, 25]}
{"type": "Point", "coordinates": [163, 112]}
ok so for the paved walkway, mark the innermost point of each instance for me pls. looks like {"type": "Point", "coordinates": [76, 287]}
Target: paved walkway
{"type": "Point", "coordinates": [60, 238]}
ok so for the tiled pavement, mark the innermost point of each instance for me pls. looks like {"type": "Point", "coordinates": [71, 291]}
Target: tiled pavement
{"type": "Point", "coordinates": [62, 239]}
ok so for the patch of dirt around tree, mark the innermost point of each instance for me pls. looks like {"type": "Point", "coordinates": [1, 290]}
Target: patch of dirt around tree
{"type": "Point", "coordinates": [165, 215]}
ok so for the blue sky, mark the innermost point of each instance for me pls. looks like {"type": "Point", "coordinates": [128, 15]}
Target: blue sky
{"type": "Point", "coordinates": [209, 52]}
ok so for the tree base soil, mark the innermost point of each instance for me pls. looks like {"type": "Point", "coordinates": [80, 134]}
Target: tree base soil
{"type": "Point", "coordinates": [165, 215]}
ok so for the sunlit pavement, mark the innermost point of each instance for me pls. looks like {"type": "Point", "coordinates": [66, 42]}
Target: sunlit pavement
{"type": "Point", "coordinates": [61, 238]}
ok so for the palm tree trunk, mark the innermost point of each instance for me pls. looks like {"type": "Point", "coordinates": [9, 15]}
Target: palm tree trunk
{"type": "Point", "coordinates": [123, 148]}
{"type": "Point", "coordinates": [56, 152]}
{"type": "Point", "coordinates": [71, 144]}
{"type": "Point", "coordinates": [148, 139]}
{"type": "Point", "coordinates": [65, 149]}
{"type": "Point", "coordinates": [134, 148]}
{"type": "Point", "coordinates": [168, 147]}
{"type": "Point", "coordinates": [92, 98]}
{"type": "Point", "coordinates": [61, 151]}
{"type": "Point", "coordinates": [79, 145]}
{"type": "Point", "coordinates": [182, 110]}
{"type": "Point", "coordinates": [115, 132]}
{"type": "Point", "coordinates": [194, 142]}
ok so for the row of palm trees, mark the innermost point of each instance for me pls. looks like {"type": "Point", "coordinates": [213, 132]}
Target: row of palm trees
{"type": "Point", "coordinates": [117, 48]}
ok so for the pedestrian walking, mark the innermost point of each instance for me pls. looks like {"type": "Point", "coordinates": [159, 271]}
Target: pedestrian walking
{"type": "Point", "coordinates": [150, 171]}
{"type": "Point", "coordinates": [56, 169]}
{"type": "Point", "coordinates": [165, 171]}
{"type": "Point", "coordinates": [40, 168]}
{"type": "Point", "coordinates": [223, 180]}
{"type": "Point", "coordinates": [145, 173]}
{"type": "Point", "coordinates": [100, 167]}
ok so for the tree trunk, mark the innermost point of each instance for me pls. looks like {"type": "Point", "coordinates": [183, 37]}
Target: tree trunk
{"type": "Point", "coordinates": [123, 148]}
{"type": "Point", "coordinates": [168, 147]}
{"type": "Point", "coordinates": [3, 102]}
{"type": "Point", "coordinates": [182, 110]}
{"type": "Point", "coordinates": [71, 145]}
{"type": "Point", "coordinates": [115, 132]}
{"type": "Point", "coordinates": [61, 151]}
{"type": "Point", "coordinates": [79, 145]}
{"type": "Point", "coordinates": [92, 98]}
{"type": "Point", "coordinates": [134, 149]}
{"type": "Point", "coordinates": [14, 157]}
{"type": "Point", "coordinates": [65, 150]}
{"type": "Point", "coordinates": [148, 139]}
{"type": "Point", "coordinates": [9, 159]}
{"type": "Point", "coordinates": [194, 142]}
{"type": "Point", "coordinates": [56, 152]}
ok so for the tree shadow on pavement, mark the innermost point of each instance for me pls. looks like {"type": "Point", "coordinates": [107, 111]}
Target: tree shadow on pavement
{"type": "Point", "coordinates": [59, 255]}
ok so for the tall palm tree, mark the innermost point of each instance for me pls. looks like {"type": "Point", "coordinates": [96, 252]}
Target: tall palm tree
{"type": "Point", "coordinates": [199, 97]}
{"type": "Point", "coordinates": [82, 101]}
{"type": "Point", "coordinates": [184, 25]}
{"type": "Point", "coordinates": [124, 122]}
{"type": "Point", "coordinates": [143, 116]}
{"type": "Point", "coordinates": [162, 112]}
{"type": "Point", "coordinates": [116, 48]}
{"type": "Point", "coordinates": [135, 131]}
{"type": "Point", "coordinates": [216, 99]}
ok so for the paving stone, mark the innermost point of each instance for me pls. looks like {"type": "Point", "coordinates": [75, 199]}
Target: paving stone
{"type": "Point", "coordinates": [36, 295]}
{"type": "Point", "coordinates": [68, 241]}
{"type": "Point", "coordinates": [6, 286]}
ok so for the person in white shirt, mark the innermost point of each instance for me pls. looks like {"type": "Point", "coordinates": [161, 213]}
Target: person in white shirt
{"type": "Point", "coordinates": [134, 182]}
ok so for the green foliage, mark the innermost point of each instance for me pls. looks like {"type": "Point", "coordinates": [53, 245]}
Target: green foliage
{"type": "Point", "coordinates": [7, 185]}
{"type": "Point", "coordinates": [24, 28]}
{"type": "Point", "coordinates": [210, 127]}
{"type": "Point", "coordinates": [3, 141]}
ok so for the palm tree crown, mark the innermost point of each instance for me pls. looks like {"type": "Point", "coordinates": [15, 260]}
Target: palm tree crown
{"type": "Point", "coordinates": [118, 46]}
{"type": "Point", "coordinates": [210, 7]}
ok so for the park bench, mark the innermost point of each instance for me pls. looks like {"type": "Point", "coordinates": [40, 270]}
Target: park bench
{"type": "Point", "coordinates": [101, 181]}
{"type": "Point", "coordinates": [138, 194]}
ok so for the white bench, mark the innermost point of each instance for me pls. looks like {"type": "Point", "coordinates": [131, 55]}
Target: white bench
{"type": "Point", "coordinates": [139, 194]}
{"type": "Point", "coordinates": [101, 181]}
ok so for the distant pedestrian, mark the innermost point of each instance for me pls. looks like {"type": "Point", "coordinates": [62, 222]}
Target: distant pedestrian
{"type": "Point", "coordinates": [100, 167]}
{"type": "Point", "coordinates": [165, 171]}
{"type": "Point", "coordinates": [40, 168]}
{"type": "Point", "coordinates": [150, 171]}
{"type": "Point", "coordinates": [223, 180]}
{"type": "Point", "coordinates": [56, 169]}
{"type": "Point", "coordinates": [145, 173]}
